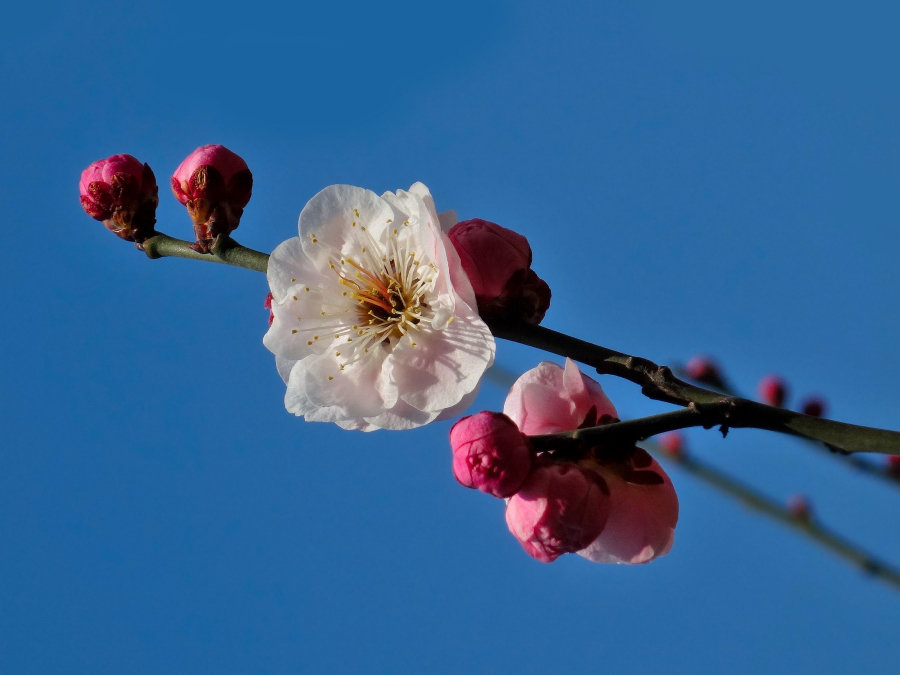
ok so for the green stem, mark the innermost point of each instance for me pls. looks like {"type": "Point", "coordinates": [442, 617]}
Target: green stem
{"type": "Point", "coordinates": [225, 251]}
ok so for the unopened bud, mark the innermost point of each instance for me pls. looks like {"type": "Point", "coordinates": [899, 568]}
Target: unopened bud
{"type": "Point", "coordinates": [490, 453]}
{"type": "Point", "coordinates": [773, 390]}
{"type": "Point", "coordinates": [498, 264]}
{"type": "Point", "coordinates": [893, 466]}
{"type": "Point", "coordinates": [560, 509]}
{"type": "Point", "coordinates": [814, 406]}
{"type": "Point", "coordinates": [121, 192]}
{"type": "Point", "coordinates": [215, 185]}
{"type": "Point", "coordinates": [800, 508]}
{"type": "Point", "coordinates": [672, 444]}
{"type": "Point", "coordinates": [703, 369]}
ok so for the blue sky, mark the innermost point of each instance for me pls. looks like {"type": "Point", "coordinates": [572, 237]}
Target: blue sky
{"type": "Point", "coordinates": [693, 177]}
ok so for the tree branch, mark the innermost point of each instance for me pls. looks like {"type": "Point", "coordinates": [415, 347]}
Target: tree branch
{"type": "Point", "coordinates": [773, 509]}
{"type": "Point", "coordinates": [658, 382]}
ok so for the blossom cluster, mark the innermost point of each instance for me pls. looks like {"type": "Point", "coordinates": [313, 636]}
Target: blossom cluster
{"type": "Point", "coordinates": [608, 504]}
{"type": "Point", "coordinates": [380, 318]}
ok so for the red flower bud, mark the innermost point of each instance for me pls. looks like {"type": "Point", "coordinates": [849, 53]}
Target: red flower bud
{"type": "Point", "coordinates": [121, 192]}
{"type": "Point", "coordinates": [560, 509]}
{"type": "Point", "coordinates": [705, 370]}
{"type": "Point", "coordinates": [672, 443]}
{"type": "Point", "coordinates": [773, 390]}
{"type": "Point", "coordinates": [490, 453]}
{"type": "Point", "coordinates": [800, 508]}
{"type": "Point", "coordinates": [893, 466]}
{"type": "Point", "coordinates": [814, 406]}
{"type": "Point", "coordinates": [498, 264]}
{"type": "Point", "coordinates": [215, 185]}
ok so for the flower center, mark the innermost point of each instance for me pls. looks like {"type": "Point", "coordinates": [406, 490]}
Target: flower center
{"type": "Point", "coordinates": [381, 295]}
{"type": "Point", "coordinates": [388, 303]}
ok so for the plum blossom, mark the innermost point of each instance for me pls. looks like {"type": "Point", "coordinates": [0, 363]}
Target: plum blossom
{"type": "Point", "coordinates": [642, 505]}
{"type": "Point", "coordinates": [643, 510]}
{"type": "Point", "coordinates": [549, 399]}
{"type": "Point", "coordinates": [374, 322]}
{"type": "Point", "coordinates": [560, 509]}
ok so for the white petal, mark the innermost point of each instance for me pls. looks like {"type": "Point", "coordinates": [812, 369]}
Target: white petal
{"type": "Point", "coordinates": [461, 407]}
{"type": "Point", "coordinates": [362, 389]}
{"type": "Point", "coordinates": [341, 219]}
{"type": "Point", "coordinates": [447, 219]}
{"type": "Point", "coordinates": [284, 262]}
{"type": "Point", "coordinates": [284, 366]}
{"type": "Point", "coordinates": [401, 416]}
{"type": "Point", "coordinates": [307, 321]}
{"type": "Point", "coordinates": [444, 365]}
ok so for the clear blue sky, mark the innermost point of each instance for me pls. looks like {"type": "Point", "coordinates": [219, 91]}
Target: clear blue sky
{"type": "Point", "coordinates": [693, 177]}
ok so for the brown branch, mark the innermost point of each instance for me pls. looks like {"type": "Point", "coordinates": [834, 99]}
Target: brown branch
{"type": "Point", "coordinates": [658, 382]}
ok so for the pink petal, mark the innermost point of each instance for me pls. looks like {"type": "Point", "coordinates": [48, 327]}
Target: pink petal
{"type": "Point", "coordinates": [641, 524]}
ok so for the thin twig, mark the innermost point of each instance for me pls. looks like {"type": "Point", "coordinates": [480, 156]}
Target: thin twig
{"type": "Point", "coordinates": [883, 473]}
{"type": "Point", "coordinates": [225, 251]}
{"type": "Point", "coordinates": [805, 525]}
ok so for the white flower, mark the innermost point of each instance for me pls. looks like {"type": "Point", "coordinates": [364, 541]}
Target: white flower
{"type": "Point", "coordinates": [375, 323]}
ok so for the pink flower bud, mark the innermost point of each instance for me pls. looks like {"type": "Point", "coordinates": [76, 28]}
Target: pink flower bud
{"type": "Point", "coordinates": [498, 264]}
{"type": "Point", "coordinates": [215, 185]}
{"type": "Point", "coordinates": [121, 192]}
{"type": "Point", "coordinates": [814, 406]}
{"type": "Point", "coordinates": [893, 466]}
{"type": "Point", "coordinates": [672, 443]}
{"type": "Point", "coordinates": [560, 509]}
{"type": "Point", "coordinates": [490, 453]}
{"type": "Point", "coordinates": [705, 370]}
{"type": "Point", "coordinates": [772, 390]}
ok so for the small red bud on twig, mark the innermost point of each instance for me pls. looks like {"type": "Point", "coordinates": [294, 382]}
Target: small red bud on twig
{"type": "Point", "coordinates": [672, 444]}
{"type": "Point", "coordinates": [800, 508]}
{"type": "Point", "coordinates": [705, 370]}
{"type": "Point", "coordinates": [814, 406]}
{"type": "Point", "coordinates": [215, 185]}
{"type": "Point", "coordinates": [773, 391]}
